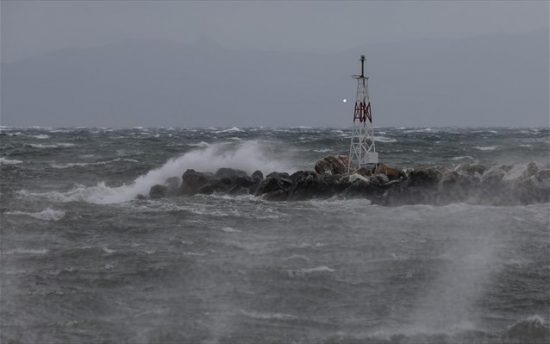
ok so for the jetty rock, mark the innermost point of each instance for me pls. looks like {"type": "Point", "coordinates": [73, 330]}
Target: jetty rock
{"type": "Point", "coordinates": [381, 184]}
{"type": "Point", "coordinates": [332, 165]}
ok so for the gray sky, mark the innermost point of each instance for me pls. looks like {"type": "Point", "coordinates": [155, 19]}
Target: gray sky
{"type": "Point", "coordinates": [35, 27]}
{"type": "Point", "coordinates": [153, 63]}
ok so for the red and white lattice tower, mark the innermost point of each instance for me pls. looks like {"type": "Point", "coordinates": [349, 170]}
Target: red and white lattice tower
{"type": "Point", "coordinates": [362, 151]}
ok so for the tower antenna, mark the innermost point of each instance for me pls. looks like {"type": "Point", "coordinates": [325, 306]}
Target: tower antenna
{"type": "Point", "coordinates": [362, 151]}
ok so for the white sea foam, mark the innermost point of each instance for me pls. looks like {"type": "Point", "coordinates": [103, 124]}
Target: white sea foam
{"type": "Point", "coordinates": [41, 136]}
{"type": "Point", "coordinates": [82, 164]}
{"type": "Point", "coordinates": [422, 130]}
{"type": "Point", "coordinates": [108, 250]}
{"type": "Point", "coordinates": [486, 148]}
{"type": "Point", "coordinates": [47, 214]}
{"type": "Point", "coordinates": [246, 156]}
{"type": "Point", "coordinates": [384, 139]}
{"type": "Point", "coordinates": [230, 130]}
{"type": "Point", "coordinates": [316, 269]}
{"type": "Point", "coordinates": [55, 145]}
{"type": "Point", "coordinates": [465, 157]}
{"type": "Point", "coordinates": [5, 161]}
{"type": "Point", "coordinates": [268, 316]}
{"type": "Point", "coordinates": [324, 150]}
{"type": "Point", "coordinates": [229, 230]}
{"type": "Point", "coordinates": [25, 251]}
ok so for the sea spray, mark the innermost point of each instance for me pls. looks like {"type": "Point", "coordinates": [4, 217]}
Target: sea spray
{"type": "Point", "coordinates": [247, 156]}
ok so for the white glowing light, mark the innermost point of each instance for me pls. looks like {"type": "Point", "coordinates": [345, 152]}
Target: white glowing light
{"type": "Point", "coordinates": [344, 100]}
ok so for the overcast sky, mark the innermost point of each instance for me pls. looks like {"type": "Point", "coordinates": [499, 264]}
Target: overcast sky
{"type": "Point", "coordinates": [115, 63]}
{"type": "Point", "coordinates": [35, 27]}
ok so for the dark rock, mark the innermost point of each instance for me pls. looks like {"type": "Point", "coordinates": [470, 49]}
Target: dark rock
{"type": "Point", "coordinates": [332, 165]}
{"type": "Point", "coordinates": [419, 186]}
{"type": "Point", "coordinates": [192, 181]}
{"type": "Point", "coordinates": [258, 176]}
{"type": "Point", "coordinates": [379, 179]}
{"type": "Point", "coordinates": [278, 175]}
{"type": "Point", "coordinates": [277, 195]}
{"type": "Point", "coordinates": [206, 189]}
{"type": "Point", "coordinates": [391, 172]}
{"type": "Point", "coordinates": [499, 185]}
{"type": "Point", "coordinates": [424, 177]}
{"type": "Point", "coordinates": [275, 186]}
{"type": "Point", "coordinates": [225, 172]}
{"type": "Point", "coordinates": [364, 171]}
{"type": "Point", "coordinates": [308, 184]}
{"type": "Point", "coordinates": [158, 191]}
{"type": "Point", "coordinates": [471, 170]}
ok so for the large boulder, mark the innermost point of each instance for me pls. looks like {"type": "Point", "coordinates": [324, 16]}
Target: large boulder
{"type": "Point", "coordinates": [226, 172]}
{"type": "Point", "coordinates": [306, 185]}
{"type": "Point", "coordinates": [258, 176]}
{"type": "Point", "coordinates": [391, 172]}
{"type": "Point", "coordinates": [275, 186]}
{"type": "Point", "coordinates": [158, 191]}
{"type": "Point", "coordinates": [332, 165]}
{"type": "Point", "coordinates": [424, 177]}
{"type": "Point", "coordinates": [192, 181]}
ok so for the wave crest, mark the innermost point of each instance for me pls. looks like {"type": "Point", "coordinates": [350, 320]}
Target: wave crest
{"type": "Point", "coordinates": [247, 156]}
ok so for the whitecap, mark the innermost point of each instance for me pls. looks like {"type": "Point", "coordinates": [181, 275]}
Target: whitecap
{"type": "Point", "coordinates": [464, 157]}
{"type": "Point", "coordinates": [268, 316]}
{"type": "Point", "coordinates": [323, 150]}
{"type": "Point", "coordinates": [25, 251]}
{"type": "Point", "coordinates": [108, 250]}
{"type": "Point", "coordinates": [5, 161]}
{"type": "Point", "coordinates": [230, 230]}
{"type": "Point", "coordinates": [56, 145]}
{"type": "Point", "coordinates": [230, 130]}
{"type": "Point", "coordinates": [486, 148]}
{"type": "Point", "coordinates": [384, 139]}
{"type": "Point", "coordinates": [82, 164]}
{"type": "Point", "coordinates": [423, 130]}
{"type": "Point", "coordinates": [47, 214]}
{"type": "Point", "coordinates": [41, 136]}
{"type": "Point", "coordinates": [316, 269]}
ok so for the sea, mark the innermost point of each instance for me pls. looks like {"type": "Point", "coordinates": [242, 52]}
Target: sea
{"type": "Point", "coordinates": [85, 259]}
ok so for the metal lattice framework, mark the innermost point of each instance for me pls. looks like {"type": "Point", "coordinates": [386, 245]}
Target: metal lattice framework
{"type": "Point", "coordinates": [362, 151]}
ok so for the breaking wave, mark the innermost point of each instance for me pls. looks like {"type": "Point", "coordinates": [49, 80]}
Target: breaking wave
{"type": "Point", "coordinates": [5, 161]}
{"type": "Point", "coordinates": [83, 164]}
{"type": "Point", "coordinates": [384, 139]}
{"type": "Point", "coordinates": [55, 145]}
{"type": "Point", "coordinates": [230, 130]}
{"type": "Point", "coordinates": [47, 214]}
{"type": "Point", "coordinates": [248, 156]}
{"type": "Point", "coordinates": [486, 148]}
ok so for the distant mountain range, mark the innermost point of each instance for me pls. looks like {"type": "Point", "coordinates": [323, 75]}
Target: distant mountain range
{"type": "Point", "coordinates": [482, 81]}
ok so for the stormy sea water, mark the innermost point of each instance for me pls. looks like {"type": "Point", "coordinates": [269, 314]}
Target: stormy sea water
{"type": "Point", "coordinates": [84, 260]}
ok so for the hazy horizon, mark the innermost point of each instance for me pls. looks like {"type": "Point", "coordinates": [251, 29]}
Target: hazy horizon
{"type": "Point", "coordinates": [167, 64]}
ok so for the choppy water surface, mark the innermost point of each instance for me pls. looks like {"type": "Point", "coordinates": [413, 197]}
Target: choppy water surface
{"type": "Point", "coordinates": [84, 261]}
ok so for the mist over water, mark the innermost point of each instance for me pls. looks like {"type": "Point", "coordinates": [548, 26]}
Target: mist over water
{"type": "Point", "coordinates": [85, 260]}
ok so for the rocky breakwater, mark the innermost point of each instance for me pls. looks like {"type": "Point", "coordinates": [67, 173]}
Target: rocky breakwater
{"type": "Point", "coordinates": [382, 184]}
